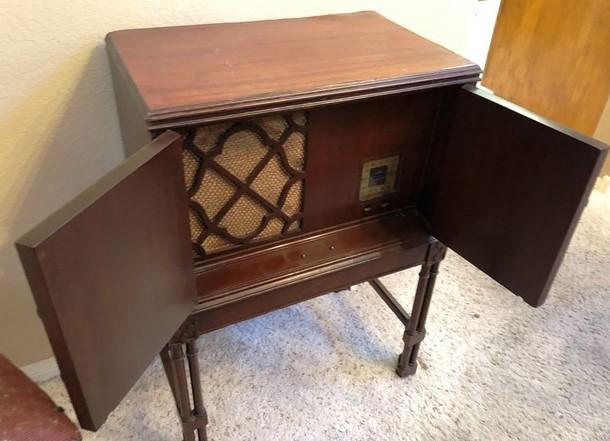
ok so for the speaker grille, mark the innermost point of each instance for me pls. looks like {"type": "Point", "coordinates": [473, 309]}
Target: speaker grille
{"type": "Point", "coordinates": [245, 181]}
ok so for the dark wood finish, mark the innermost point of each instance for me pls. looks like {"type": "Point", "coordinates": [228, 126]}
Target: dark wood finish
{"type": "Point", "coordinates": [511, 187]}
{"type": "Point", "coordinates": [167, 362]}
{"type": "Point", "coordinates": [112, 276]}
{"type": "Point", "coordinates": [501, 186]}
{"type": "Point", "coordinates": [199, 412]}
{"type": "Point", "coordinates": [191, 412]}
{"type": "Point", "coordinates": [416, 327]}
{"type": "Point", "coordinates": [415, 322]}
{"type": "Point", "coordinates": [179, 379]}
{"type": "Point", "coordinates": [203, 73]}
{"type": "Point", "coordinates": [132, 112]}
{"type": "Point", "coordinates": [390, 301]}
{"type": "Point", "coordinates": [233, 277]}
{"type": "Point", "coordinates": [342, 137]}
{"type": "Point", "coordinates": [315, 282]}
{"type": "Point", "coordinates": [409, 253]}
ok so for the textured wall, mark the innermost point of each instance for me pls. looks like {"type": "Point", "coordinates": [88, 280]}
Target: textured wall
{"type": "Point", "coordinates": [58, 124]}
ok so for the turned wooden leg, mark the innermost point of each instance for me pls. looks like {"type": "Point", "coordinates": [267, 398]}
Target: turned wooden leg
{"type": "Point", "coordinates": [174, 363]}
{"type": "Point", "coordinates": [192, 353]}
{"type": "Point", "coordinates": [416, 326]}
{"type": "Point", "coordinates": [167, 367]}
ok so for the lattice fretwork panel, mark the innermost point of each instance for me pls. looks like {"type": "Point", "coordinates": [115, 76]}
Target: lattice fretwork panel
{"type": "Point", "coordinates": [245, 181]}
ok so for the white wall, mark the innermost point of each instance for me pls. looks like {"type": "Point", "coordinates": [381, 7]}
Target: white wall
{"type": "Point", "coordinates": [58, 126]}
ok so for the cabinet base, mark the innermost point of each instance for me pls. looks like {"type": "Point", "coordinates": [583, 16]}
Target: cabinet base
{"type": "Point", "coordinates": [192, 413]}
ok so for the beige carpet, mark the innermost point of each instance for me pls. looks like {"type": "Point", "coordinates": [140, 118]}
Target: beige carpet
{"type": "Point", "coordinates": [491, 368]}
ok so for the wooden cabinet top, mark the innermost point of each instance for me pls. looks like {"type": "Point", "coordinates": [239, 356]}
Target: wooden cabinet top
{"type": "Point", "coordinates": [210, 71]}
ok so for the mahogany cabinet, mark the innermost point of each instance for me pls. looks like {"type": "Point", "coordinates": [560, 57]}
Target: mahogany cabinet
{"type": "Point", "coordinates": [271, 162]}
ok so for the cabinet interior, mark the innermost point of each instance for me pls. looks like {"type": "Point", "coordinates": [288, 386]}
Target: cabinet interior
{"type": "Point", "coordinates": [328, 183]}
{"type": "Point", "coordinates": [254, 182]}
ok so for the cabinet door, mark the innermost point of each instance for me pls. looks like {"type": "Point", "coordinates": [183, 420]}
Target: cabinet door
{"type": "Point", "coordinates": [112, 276]}
{"type": "Point", "coordinates": [509, 187]}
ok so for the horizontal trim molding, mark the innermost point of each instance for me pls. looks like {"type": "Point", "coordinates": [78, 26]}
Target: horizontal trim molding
{"type": "Point", "coordinates": [254, 106]}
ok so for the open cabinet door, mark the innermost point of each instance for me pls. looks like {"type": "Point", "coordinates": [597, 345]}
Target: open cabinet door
{"type": "Point", "coordinates": [509, 187]}
{"type": "Point", "coordinates": [112, 276]}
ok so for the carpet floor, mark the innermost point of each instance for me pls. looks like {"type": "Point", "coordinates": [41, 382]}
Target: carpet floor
{"type": "Point", "coordinates": [490, 368]}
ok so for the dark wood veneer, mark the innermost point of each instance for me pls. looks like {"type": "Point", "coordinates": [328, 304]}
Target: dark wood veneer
{"type": "Point", "coordinates": [250, 273]}
{"type": "Point", "coordinates": [112, 273]}
{"type": "Point", "coordinates": [231, 68]}
{"type": "Point", "coordinates": [343, 137]}
{"type": "Point", "coordinates": [510, 188]}
{"type": "Point", "coordinates": [313, 283]}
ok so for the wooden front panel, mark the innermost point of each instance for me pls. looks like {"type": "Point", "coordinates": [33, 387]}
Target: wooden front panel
{"type": "Point", "coordinates": [260, 180]}
{"type": "Point", "coordinates": [553, 57]}
{"type": "Point", "coordinates": [112, 276]}
{"type": "Point", "coordinates": [255, 272]}
{"type": "Point", "coordinates": [510, 189]}
{"type": "Point", "coordinates": [342, 138]}
{"type": "Point", "coordinates": [393, 260]}
{"type": "Point", "coordinates": [407, 248]}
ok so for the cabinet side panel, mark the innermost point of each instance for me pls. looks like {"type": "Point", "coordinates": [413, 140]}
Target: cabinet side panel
{"type": "Point", "coordinates": [132, 115]}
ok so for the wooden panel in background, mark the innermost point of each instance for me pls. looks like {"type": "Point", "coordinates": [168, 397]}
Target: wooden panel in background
{"type": "Point", "coordinates": [553, 58]}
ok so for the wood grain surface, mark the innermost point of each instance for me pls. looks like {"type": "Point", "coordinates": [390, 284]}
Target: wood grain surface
{"type": "Point", "coordinates": [112, 276]}
{"type": "Point", "coordinates": [553, 57]}
{"type": "Point", "coordinates": [511, 188]}
{"type": "Point", "coordinates": [341, 138]}
{"type": "Point", "coordinates": [215, 68]}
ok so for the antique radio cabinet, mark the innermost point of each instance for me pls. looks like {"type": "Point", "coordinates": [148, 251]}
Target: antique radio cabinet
{"type": "Point", "coordinates": [271, 162]}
